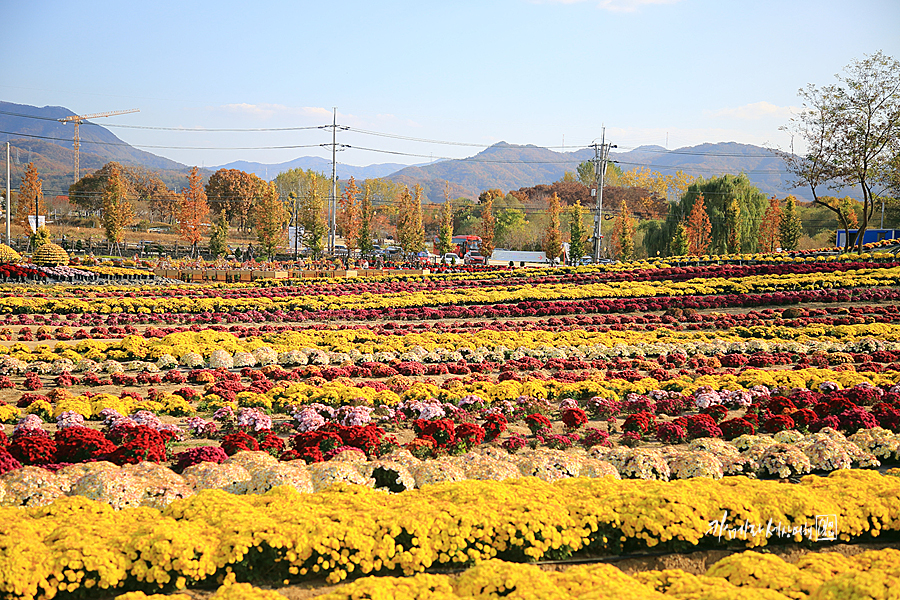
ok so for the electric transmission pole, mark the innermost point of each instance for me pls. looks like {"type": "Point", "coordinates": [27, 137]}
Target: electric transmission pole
{"type": "Point", "coordinates": [601, 158]}
{"type": "Point", "coordinates": [332, 204]}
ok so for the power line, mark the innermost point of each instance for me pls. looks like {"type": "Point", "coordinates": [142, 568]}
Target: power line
{"type": "Point", "coordinates": [124, 144]}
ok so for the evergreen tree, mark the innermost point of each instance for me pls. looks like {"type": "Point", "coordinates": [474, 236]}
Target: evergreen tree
{"type": "Point", "coordinates": [768, 229]}
{"type": "Point", "coordinates": [790, 227]}
{"type": "Point", "coordinates": [365, 222]}
{"type": "Point", "coordinates": [552, 237]}
{"type": "Point", "coordinates": [218, 241]}
{"type": "Point", "coordinates": [577, 233]}
{"type": "Point", "coordinates": [680, 243]}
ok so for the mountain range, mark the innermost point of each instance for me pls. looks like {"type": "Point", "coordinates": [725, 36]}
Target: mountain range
{"type": "Point", "coordinates": [268, 172]}
{"type": "Point", "coordinates": [36, 135]}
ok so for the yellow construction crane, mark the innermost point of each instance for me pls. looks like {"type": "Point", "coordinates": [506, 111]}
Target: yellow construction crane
{"type": "Point", "coordinates": [79, 119]}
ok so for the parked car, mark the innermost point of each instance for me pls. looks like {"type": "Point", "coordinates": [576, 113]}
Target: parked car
{"type": "Point", "coordinates": [586, 260]}
{"type": "Point", "coordinates": [452, 259]}
{"type": "Point", "coordinates": [474, 259]}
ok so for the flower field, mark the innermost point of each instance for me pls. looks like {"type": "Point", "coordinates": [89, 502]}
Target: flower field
{"type": "Point", "coordinates": [386, 429]}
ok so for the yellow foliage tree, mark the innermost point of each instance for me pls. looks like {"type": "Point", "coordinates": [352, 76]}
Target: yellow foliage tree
{"type": "Point", "coordinates": [118, 213]}
{"type": "Point", "coordinates": [192, 210]}
{"type": "Point", "coordinates": [30, 194]}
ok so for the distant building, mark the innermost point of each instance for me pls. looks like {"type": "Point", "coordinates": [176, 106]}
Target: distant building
{"type": "Point", "coordinates": [871, 235]}
{"type": "Point", "coordinates": [504, 257]}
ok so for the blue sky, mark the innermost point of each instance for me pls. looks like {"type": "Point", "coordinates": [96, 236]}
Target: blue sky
{"type": "Point", "coordinates": [526, 72]}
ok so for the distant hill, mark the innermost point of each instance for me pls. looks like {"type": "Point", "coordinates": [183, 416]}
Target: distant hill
{"type": "Point", "coordinates": [268, 172]}
{"type": "Point", "coordinates": [510, 167]}
{"type": "Point", "coordinates": [52, 148]}
{"type": "Point", "coordinates": [503, 166]}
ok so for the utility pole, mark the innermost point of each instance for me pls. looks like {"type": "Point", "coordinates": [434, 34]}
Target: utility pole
{"type": "Point", "coordinates": [601, 157]}
{"type": "Point", "coordinates": [332, 239]}
{"type": "Point", "coordinates": [8, 236]}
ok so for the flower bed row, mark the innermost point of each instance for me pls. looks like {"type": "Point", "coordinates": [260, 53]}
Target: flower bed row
{"type": "Point", "coordinates": [745, 575]}
{"type": "Point", "coordinates": [753, 284]}
{"type": "Point", "coordinates": [674, 318]}
{"type": "Point", "coordinates": [77, 544]}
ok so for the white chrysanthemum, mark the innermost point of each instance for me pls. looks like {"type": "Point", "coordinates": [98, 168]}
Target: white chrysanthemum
{"type": "Point", "coordinates": [62, 365]}
{"type": "Point", "coordinates": [221, 359]}
{"type": "Point", "coordinates": [265, 356]}
{"type": "Point", "coordinates": [192, 360]}
{"type": "Point", "coordinates": [243, 359]}
{"type": "Point", "coordinates": [167, 361]}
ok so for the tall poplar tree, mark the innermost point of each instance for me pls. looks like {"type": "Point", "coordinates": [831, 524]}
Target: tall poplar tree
{"type": "Point", "coordinates": [118, 213]}
{"type": "Point", "coordinates": [270, 219]}
{"type": "Point", "coordinates": [410, 232]}
{"type": "Point", "coordinates": [552, 237]}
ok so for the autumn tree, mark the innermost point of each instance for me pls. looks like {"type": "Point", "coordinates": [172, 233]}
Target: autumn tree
{"type": "Point", "coordinates": [733, 224]}
{"type": "Point", "coordinates": [552, 237]}
{"type": "Point", "coordinates": [680, 242]}
{"type": "Point", "coordinates": [768, 229]}
{"type": "Point", "coordinates": [312, 218]}
{"type": "Point", "coordinates": [488, 226]}
{"type": "Point", "coordinates": [698, 228]}
{"type": "Point", "coordinates": [348, 220]}
{"type": "Point", "coordinates": [30, 197]}
{"type": "Point", "coordinates": [192, 211]}
{"type": "Point", "coordinates": [140, 183]}
{"type": "Point", "coordinates": [789, 226]}
{"type": "Point", "coordinates": [410, 233]}
{"type": "Point", "coordinates": [445, 233]}
{"type": "Point", "coordinates": [118, 212]}
{"type": "Point", "coordinates": [850, 130]}
{"type": "Point", "coordinates": [623, 234]}
{"type": "Point", "coordinates": [365, 221]}
{"type": "Point", "coordinates": [578, 233]}
{"type": "Point", "coordinates": [270, 219]}
{"type": "Point", "coordinates": [232, 192]}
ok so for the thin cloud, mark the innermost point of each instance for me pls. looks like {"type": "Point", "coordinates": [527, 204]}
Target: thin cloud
{"type": "Point", "coordinates": [621, 6]}
{"type": "Point", "coordinates": [755, 111]}
{"type": "Point", "coordinates": [267, 111]}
